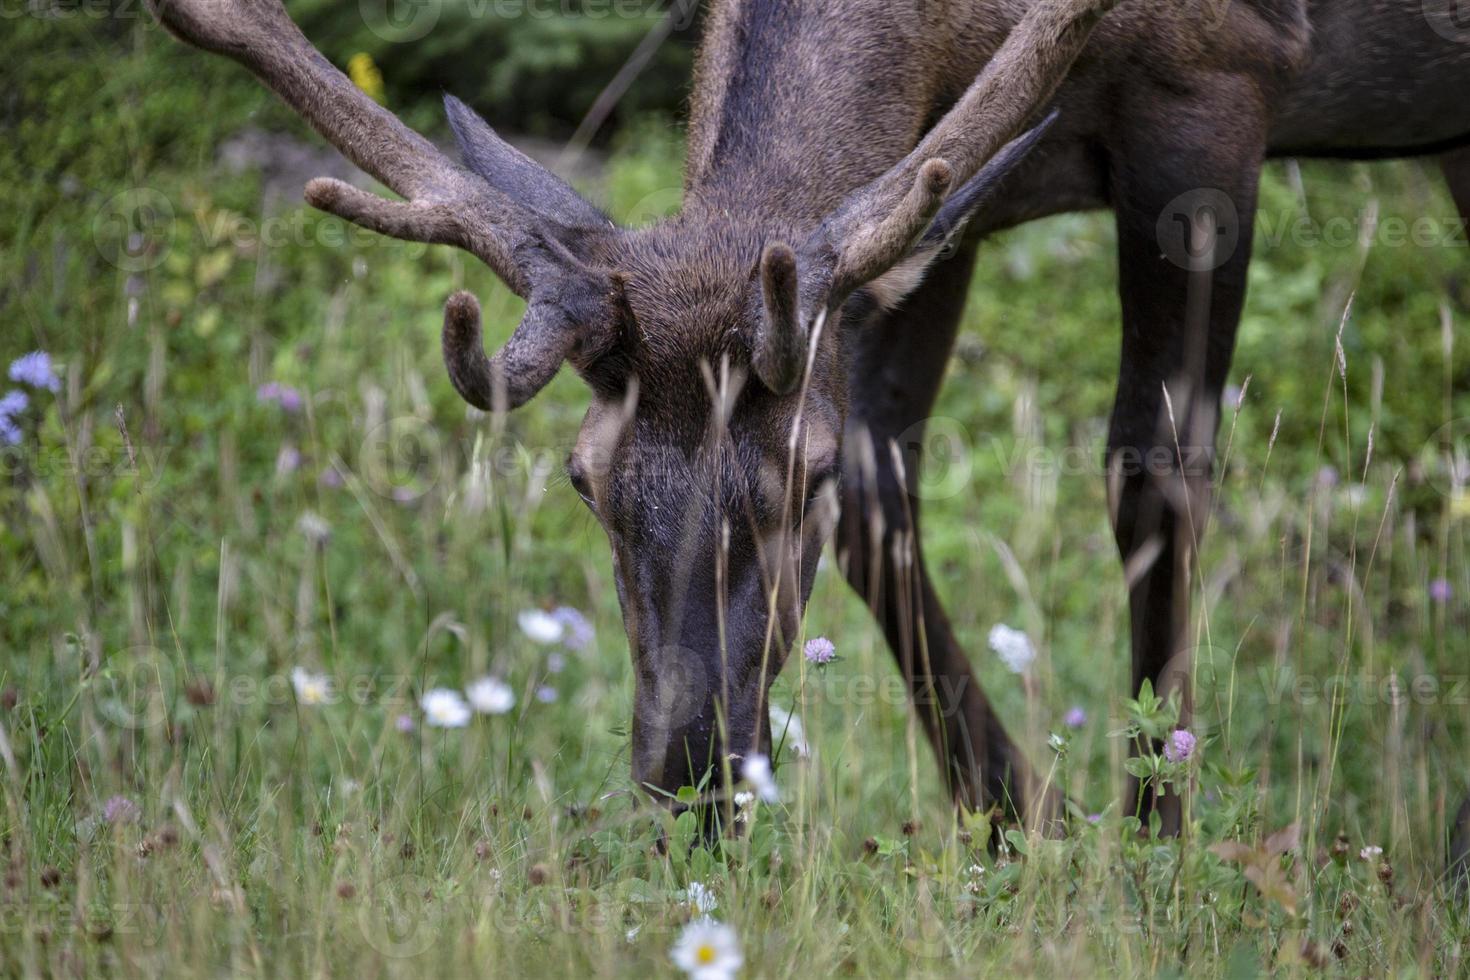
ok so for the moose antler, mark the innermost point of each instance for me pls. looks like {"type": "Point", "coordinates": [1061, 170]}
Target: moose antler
{"type": "Point", "coordinates": [879, 225]}
{"type": "Point", "coordinates": [444, 204]}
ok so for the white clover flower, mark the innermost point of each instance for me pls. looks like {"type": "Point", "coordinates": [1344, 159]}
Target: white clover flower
{"type": "Point", "coordinates": [1371, 853]}
{"type": "Point", "coordinates": [707, 950]}
{"type": "Point", "coordinates": [490, 696]}
{"type": "Point", "coordinates": [1013, 646]}
{"type": "Point", "coordinates": [311, 689]}
{"type": "Point", "coordinates": [786, 727]}
{"type": "Point", "coordinates": [444, 708]}
{"type": "Point", "coordinates": [757, 772]}
{"type": "Point", "coordinates": [541, 626]}
{"type": "Point", "coordinates": [744, 805]}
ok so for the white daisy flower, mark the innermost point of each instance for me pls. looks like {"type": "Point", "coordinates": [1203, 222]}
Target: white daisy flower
{"type": "Point", "coordinates": [541, 626]}
{"type": "Point", "coordinates": [444, 708]}
{"type": "Point", "coordinates": [757, 772]}
{"type": "Point", "coordinates": [311, 689]}
{"type": "Point", "coordinates": [490, 696]}
{"type": "Point", "coordinates": [1013, 646]}
{"type": "Point", "coordinates": [707, 950]}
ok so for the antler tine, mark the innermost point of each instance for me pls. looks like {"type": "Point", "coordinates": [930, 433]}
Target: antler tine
{"type": "Point", "coordinates": [445, 204]}
{"type": "Point", "coordinates": [878, 224]}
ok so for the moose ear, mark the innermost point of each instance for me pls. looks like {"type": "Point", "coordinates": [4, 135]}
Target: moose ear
{"type": "Point", "coordinates": [889, 289]}
{"type": "Point", "coordinates": [513, 173]}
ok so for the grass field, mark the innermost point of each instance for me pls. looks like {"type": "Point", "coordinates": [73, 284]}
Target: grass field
{"type": "Point", "coordinates": [254, 463]}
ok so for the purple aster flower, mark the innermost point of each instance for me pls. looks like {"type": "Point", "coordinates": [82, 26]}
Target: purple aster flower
{"type": "Point", "coordinates": [577, 630]}
{"type": "Point", "coordinates": [34, 369]}
{"type": "Point", "coordinates": [9, 431]}
{"type": "Point", "coordinates": [14, 403]}
{"type": "Point", "coordinates": [820, 651]}
{"type": "Point", "coordinates": [1440, 591]}
{"type": "Point", "coordinates": [330, 478]}
{"type": "Point", "coordinates": [1094, 818]}
{"type": "Point", "coordinates": [1075, 718]}
{"type": "Point", "coordinates": [120, 809]}
{"type": "Point", "coordinates": [1180, 745]}
{"type": "Point", "coordinates": [546, 694]}
{"type": "Point", "coordinates": [404, 723]}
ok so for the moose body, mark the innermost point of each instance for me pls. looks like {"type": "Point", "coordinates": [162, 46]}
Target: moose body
{"type": "Point", "coordinates": [755, 360]}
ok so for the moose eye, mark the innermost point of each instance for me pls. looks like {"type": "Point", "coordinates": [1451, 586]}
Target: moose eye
{"type": "Point", "coordinates": [577, 474]}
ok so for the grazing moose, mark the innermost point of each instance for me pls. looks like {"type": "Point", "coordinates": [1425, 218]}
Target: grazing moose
{"type": "Point", "coordinates": [753, 360]}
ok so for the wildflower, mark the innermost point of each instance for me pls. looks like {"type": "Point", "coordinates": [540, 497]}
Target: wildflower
{"type": "Point", "coordinates": [1371, 853]}
{"type": "Point", "coordinates": [577, 629]}
{"type": "Point", "coordinates": [1094, 818]}
{"type": "Point", "coordinates": [707, 950]}
{"type": "Point", "coordinates": [1075, 717]}
{"type": "Point", "coordinates": [1013, 646]}
{"type": "Point", "coordinates": [786, 727]}
{"type": "Point", "coordinates": [120, 809]}
{"type": "Point", "coordinates": [701, 898]}
{"type": "Point", "coordinates": [1180, 745]}
{"type": "Point", "coordinates": [35, 369]}
{"type": "Point", "coordinates": [757, 772]}
{"type": "Point", "coordinates": [491, 696]}
{"type": "Point", "coordinates": [313, 527]}
{"type": "Point", "coordinates": [819, 651]}
{"type": "Point", "coordinates": [444, 708]}
{"type": "Point", "coordinates": [546, 694]}
{"type": "Point", "coordinates": [540, 626]}
{"type": "Point", "coordinates": [744, 804]}
{"type": "Point", "coordinates": [331, 478]}
{"type": "Point", "coordinates": [288, 460]}
{"type": "Point", "coordinates": [311, 689]}
{"type": "Point", "coordinates": [555, 662]}
{"type": "Point", "coordinates": [1327, 476]}
{"type": "Point", "coordinates": [14, 402]}
{"type": "Point", "coordinates": [1440, 591]}
{"type": "Point", "coordinates": [404, 723]}
{"type": "Point", "coordinates": [11, 405]}
{"type": "Point", "coordinates": [273, 392]}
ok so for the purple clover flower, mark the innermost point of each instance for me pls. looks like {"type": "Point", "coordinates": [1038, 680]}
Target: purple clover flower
{"type": "Point", "coordinates": [120, 809]}
{"type": "Point", "coordinates": [275, 393]}
{"type": "Point", "coordinates": [404, 723]}
{"type": "Point", "coordinates": [1180, 745]}
{"type": "Point", "coordinates": [35, 369]}
{"type": "Point", "coordinates": [820, 651]}
{"type": "Point", "coordinates": [1075, 717]}
{"type": "Point", "coordinates": [1440, 590]}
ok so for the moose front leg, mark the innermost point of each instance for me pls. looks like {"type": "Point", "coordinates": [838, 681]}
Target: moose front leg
{"type": "Point", "coordinates": [1185, 178]}
{"type": "Point", "coordinates": [896, 373]}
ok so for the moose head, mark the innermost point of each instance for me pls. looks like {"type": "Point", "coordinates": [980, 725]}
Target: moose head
{"type": "Point", "coordinates": [712, 344]}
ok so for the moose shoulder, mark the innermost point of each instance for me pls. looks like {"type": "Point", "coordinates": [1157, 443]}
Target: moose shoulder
{"type": "Point", "coordinates": [753, 360]}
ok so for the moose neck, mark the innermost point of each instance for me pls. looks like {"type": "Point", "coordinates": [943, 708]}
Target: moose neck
{"type": "Point", "coordinates": [798, 103]}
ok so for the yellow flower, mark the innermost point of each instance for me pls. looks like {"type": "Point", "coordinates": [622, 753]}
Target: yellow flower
{"type": "Point", "coordinates": [365, 75]}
